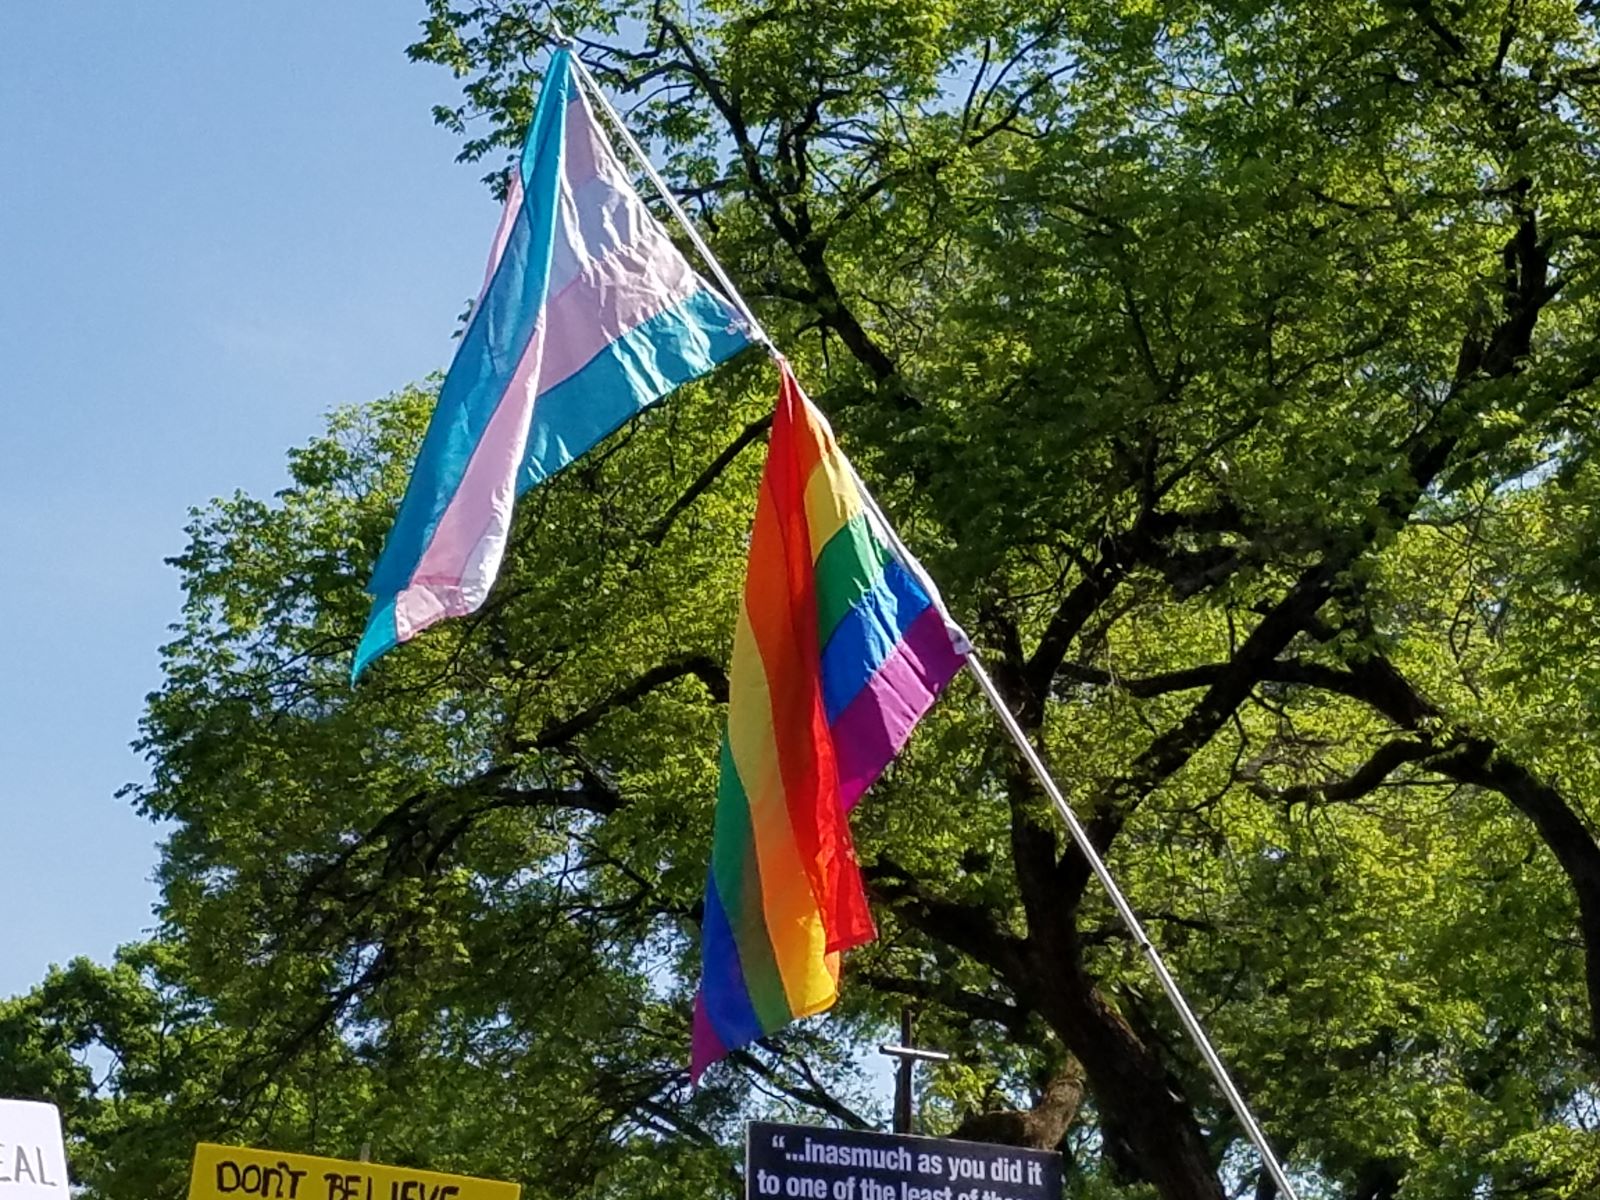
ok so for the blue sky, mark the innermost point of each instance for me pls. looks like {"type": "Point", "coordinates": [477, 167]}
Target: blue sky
{"type": "Point", "coordinates": [217, 222]}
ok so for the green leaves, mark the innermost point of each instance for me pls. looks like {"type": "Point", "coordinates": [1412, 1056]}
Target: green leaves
{"type": "Point", "coordinates": [1232, 368]}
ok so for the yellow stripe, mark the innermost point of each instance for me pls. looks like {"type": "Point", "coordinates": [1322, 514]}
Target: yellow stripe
{"type": "Point", "coordinates": [793, 923]}
{"type": "Point", "coordinates": [832, 499]}
{"type": "Point", "coordinates": [830, 964]}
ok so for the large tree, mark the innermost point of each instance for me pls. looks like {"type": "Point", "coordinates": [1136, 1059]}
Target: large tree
{"type": "Point", "coordinates": [1233, 367]}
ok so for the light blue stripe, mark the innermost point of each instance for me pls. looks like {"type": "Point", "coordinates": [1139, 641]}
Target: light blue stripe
{"type": "Point", "coordinates": [867, 634]}
{"type": "Point", "coordinates": [627, 376]}
{"type": "Point", "coordinates": [491, 348]}
{"type": "Point", "coordinates": [379, 637]}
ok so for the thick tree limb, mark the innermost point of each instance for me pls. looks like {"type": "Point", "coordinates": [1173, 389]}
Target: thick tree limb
{"type": "Point", "coordinates": [702, 667]}
{"type": "Point", "coordinates": [1364, 780]}
{"type": "Point", "coordinates": [714, 469]}
{"type": "Point", "coordinates": [1227, 691]}
{"type": "Point", "coordinates": [970, 928]}
{"type": "Point", "coordinates": [1459, 754]}
{"type": "Point", "coordinates": [1041, 1127]}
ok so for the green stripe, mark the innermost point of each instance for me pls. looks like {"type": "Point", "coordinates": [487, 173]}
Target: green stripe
{"type": "Point", "coordinates": [738, 875]}
{"type": "Point", "coordinates": [849, 565]}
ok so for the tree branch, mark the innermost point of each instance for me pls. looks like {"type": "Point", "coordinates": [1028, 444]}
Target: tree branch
{"type": "Point", "coordinates": [970, 928]}
{"type": "Point", "coordinates": [702, 667]}
{"type": "Point", "coordinates": [809, 1092]}
{"type": "Point", "coordinates": [939, 991]}
{"type": "Point", "coordinates": [658, 531]}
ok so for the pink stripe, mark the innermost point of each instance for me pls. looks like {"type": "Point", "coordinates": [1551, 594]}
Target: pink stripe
{"type": "Point", "coordinates": [455, 571]}
{"type": "Point", "coordinates": [878, 721]}
{"type": "Point", "coordinates": [586, 153]}
{"type": "Point", "coordinates": [611, 297]}
{"type": "Point", "coordinates": [621, 292]}
{"type": "Point", "coordinates": [502, 234]}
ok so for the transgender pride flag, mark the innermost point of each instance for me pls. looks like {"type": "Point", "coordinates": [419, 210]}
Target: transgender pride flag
{"type": "Point", "coordinates": [588, 314]}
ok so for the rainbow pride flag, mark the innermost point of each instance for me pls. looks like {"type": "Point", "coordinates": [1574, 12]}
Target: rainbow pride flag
{"type": "Point", "coordinates": [588, 314]}
{"type": "Point", "coordinates": [842, 645]}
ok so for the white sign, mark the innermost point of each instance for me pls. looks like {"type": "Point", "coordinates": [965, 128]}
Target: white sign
{"type": "Point", "coordinates": [33, 1161]}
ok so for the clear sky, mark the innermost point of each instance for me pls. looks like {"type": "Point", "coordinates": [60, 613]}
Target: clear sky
{"type": "Point", "coordinates": [217, 222]}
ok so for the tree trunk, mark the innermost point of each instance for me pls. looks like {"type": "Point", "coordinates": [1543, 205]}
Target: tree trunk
{"type": "Point", "coordinates": [1149, 1126]}
{"type": "Point", "coordinates": [1039, 1128]}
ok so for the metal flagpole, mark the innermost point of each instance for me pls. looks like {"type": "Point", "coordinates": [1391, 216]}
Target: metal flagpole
{"type": "Point", "coordinates": [1080, 836]}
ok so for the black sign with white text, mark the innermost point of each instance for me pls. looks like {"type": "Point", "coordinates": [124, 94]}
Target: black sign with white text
{"type": "Point", "coordinates": [803, 1162]}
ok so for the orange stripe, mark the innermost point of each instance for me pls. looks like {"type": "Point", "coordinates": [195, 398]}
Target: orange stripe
{"type": "Point", "coordinates": [781, 603]}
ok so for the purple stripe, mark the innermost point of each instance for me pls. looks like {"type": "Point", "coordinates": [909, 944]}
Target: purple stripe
{"type": "Point", "coordinates": [705, 1046]}
{"type": "Point", "coordinates": [874, 725]}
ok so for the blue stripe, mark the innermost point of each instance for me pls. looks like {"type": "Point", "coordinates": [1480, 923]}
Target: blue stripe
{"type": "Point", "coordinates": [491, 348]}
{"type": "Point", "coordinates": [722, 986]}
{"type": "Point", "coordinates": [626, 377]}
{"type": "Point", "coordinates": [379, 637]}
{"type": "Point", "coordinates": [867, 635]}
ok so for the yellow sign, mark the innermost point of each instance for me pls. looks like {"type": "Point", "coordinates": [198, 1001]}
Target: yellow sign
{"type": "Point", "coordinates": [234, 1173]}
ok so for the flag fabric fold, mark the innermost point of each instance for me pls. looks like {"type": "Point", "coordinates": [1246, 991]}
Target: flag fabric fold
{"type": "Point", "coordinates": [842, 644]}
{"type": "Point", "coordinates": [588, 315]}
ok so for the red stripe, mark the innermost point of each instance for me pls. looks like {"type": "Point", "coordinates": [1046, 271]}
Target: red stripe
{"type": "Point", "coordinates": [781, 601]}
